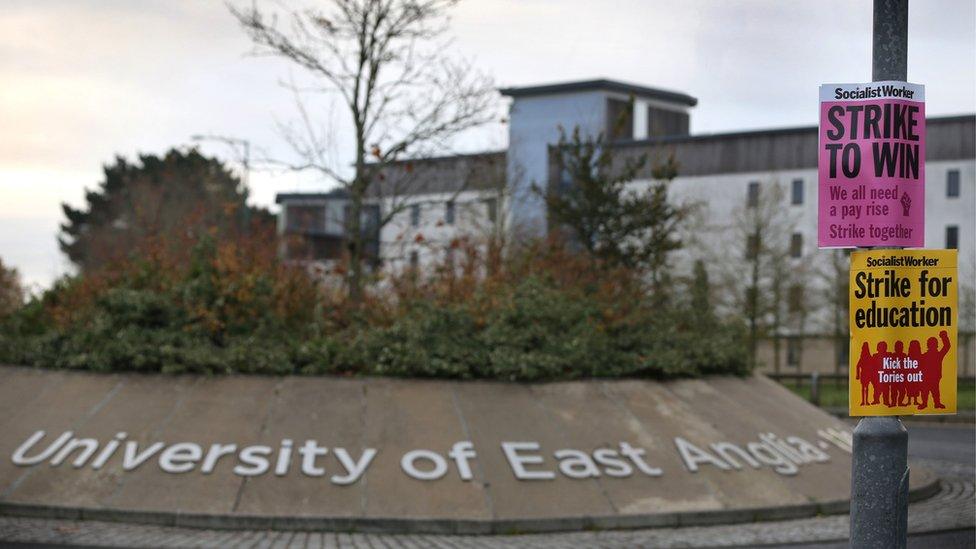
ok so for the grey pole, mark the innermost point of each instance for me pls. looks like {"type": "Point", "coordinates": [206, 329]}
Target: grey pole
{"type": "Point", "coordinates": [889, 55]}
{"type": "Point", "coordinates": [879, 477]}
{"type": "Point", "coordinates": [879, 484]}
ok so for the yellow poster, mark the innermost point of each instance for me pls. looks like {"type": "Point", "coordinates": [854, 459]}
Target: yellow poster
{"type": "Point", "coordinates": [904, 318]}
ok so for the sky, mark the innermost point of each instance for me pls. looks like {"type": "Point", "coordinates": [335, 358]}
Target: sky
{"type": "Point", "coordinates": [85, 81]}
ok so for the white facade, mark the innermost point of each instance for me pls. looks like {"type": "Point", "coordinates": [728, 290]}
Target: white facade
{"type": "Point", "coordinates": [426, 232]}
{"type": "Point", "coordinates": [721, 195]}
{"type": "Point", "coordinates": [429, 225]}
{"type": "Point", "coordinates": [721, 198]}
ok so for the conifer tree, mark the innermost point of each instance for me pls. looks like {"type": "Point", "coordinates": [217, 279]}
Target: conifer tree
{"type": "Point", "coordinates": [599, 209]}
{"type": "Point", "coordinates": [179, 194]}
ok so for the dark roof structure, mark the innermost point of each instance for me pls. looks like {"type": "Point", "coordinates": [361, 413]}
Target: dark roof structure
{"type": "Point", "coordinates": [948, 138]}
{"type": "Point", "coordinates": [443, 174]}
{"type": "Point", "coordinates": [333, 194]}
{"type": "Point", "coordinates": [601, 84]}
{"type": "Point", "coordinates": [481, 171]}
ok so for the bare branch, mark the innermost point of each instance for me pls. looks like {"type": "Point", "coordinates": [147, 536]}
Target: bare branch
{"type": "Point", "coordinates": [389, 63]}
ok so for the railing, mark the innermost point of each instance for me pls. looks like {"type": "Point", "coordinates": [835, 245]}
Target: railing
{"type": "Point", "coordinates": [815, 386]}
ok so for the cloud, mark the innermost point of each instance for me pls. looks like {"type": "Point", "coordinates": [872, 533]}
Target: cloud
{"type": "Point", "coordinates": [84, 81]}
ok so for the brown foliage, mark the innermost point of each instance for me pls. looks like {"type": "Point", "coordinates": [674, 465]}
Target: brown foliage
{"type": "Point", "coordinates": [222, 284]}
{"type": "Point", "coordinates": [483, 274]}
{"type": "Point", "coordinates": [11, 290]}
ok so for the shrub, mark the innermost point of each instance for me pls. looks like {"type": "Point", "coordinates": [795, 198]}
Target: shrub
{"type": "Point", "coordinates": [545, 314]}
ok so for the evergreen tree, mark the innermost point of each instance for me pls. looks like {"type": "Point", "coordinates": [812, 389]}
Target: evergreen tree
{"type": "Point", "coordinates": [606, 216]}
{"type": "Point", "coordinates": [179, 196]}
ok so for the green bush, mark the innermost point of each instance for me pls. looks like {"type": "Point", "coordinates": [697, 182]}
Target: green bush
{"type": "Point", "coordinates": [522, 328]}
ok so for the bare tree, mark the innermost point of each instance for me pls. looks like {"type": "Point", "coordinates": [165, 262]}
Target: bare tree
{"type": "Point", "coordinates": [386, 61]}
{"type": "Point", "coordinates": [793, 313]}
{"type": "Point", "coordinates": [834, 296]}
{"type": "Point", "coordinates": [967, 313]}
{"type": "Point", "coordinates": [760, 276]}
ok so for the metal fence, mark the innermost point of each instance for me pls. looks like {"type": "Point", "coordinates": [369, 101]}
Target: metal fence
{"type": "Point", "coordinates": [826, 389]}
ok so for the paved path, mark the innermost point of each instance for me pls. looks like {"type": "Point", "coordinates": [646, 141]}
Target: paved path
{"type": "Point", "coordinates": [948, 442]}
{"type": "Point", "coordinates": [953, 508]}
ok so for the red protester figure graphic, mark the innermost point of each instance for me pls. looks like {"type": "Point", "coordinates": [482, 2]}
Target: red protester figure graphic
{"type": "Point", "coordinates": [899, 378]}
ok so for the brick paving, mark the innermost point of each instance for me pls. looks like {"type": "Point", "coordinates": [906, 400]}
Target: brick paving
{"type": "Point", "coordinates": [954, 507]}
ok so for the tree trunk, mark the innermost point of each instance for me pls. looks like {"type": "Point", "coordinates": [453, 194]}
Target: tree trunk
{"type": "Point", "coordinates": [776, 352]}
{"type": "Point", "coordinates": [966, 354]}
{"type": "Point", "coordinates": [838, 330]}
{"type": "Point", "coordinates": [777, 318]}
{"type": "Point", "coordinates": [754, 311]}
{"type": "Point", "coordinates": [354, 233]}
{"type": "Point", "coordinates": [801, 339]}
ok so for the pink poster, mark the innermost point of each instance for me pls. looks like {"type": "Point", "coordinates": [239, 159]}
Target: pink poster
{"type": "Point", "coordinates": [872, 165]}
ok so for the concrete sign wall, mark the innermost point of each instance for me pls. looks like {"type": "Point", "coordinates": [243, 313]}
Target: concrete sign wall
{"type": "Point", "coordinates": [401, 454]}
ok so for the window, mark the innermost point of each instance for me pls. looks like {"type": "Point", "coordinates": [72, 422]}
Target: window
{"type": "Point", "coordinates": [752, 197]}
{"type": "Point", "coordinates": [752, 246]}
{"type": "Point", "coordinates": [952, 237]}
{"type": "Point", "coordinates": [305, 218]}
{"type": "Point", "coordinates": [371, 217]}
{"type": "Point", "coordinates": [797, 197]}
{"type": "Point", "coordinates": [491, 204]}
{"type": "Point", "coordinates": [662, 122]}
{"type": "Point", "coordinates": [795, 298]}
{"type": "Point", "coordinates": [952, 184]}
{"type": "Point", "coordinates": [415, 215]}
{"type": "Point", "coordinates": [796, 245]}
{"type": "Point", "coordinates": [793, 350]}
{"type": "Point", "coordinates": [620, 119]}
{"type": "Point", "coordinates": [843, 354]}
{"type": "Point", "coordinates": [449, 212]}
{"type": "Point", "coordinates": [314, 247]}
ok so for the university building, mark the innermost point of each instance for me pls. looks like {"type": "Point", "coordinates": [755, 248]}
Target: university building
{"type": "Point", "coordinates": [727, 177]}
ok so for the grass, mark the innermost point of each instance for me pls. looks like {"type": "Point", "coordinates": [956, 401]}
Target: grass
{"type": "Point", "coordinates": [834, 393]}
